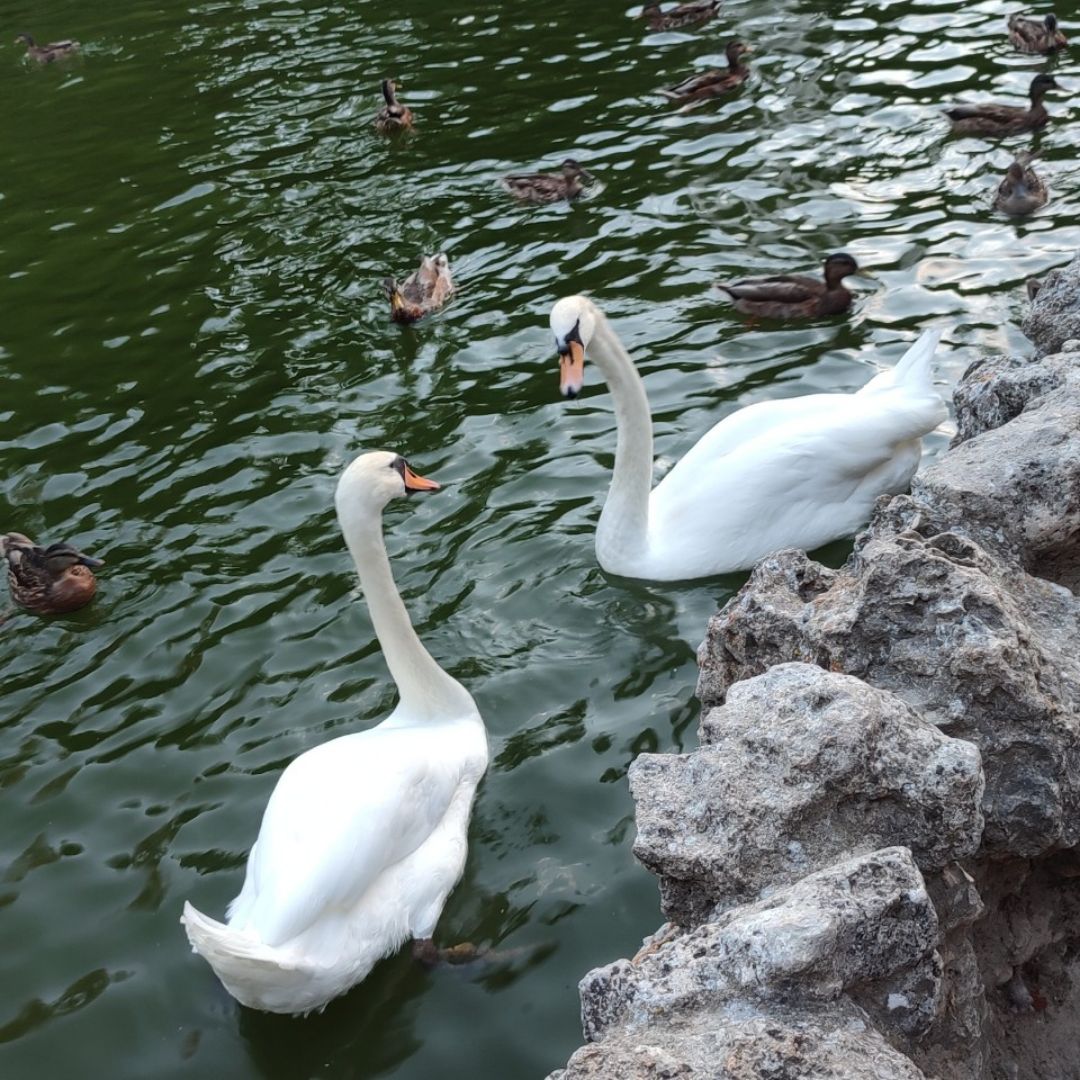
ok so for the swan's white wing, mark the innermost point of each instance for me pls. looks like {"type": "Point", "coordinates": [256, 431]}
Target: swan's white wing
{"type": "Point", "coordinates": [794, 473]}
{"type": "Point", "coordinates": [341, 814]}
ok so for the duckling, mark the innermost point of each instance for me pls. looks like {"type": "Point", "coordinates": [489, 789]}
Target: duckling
{"type": "Point", "coordinates": [1022, 190]}
{"type": "Point", "coordinates": [425, 290]}
{"type": "Point", "coordinates": [795, 296]}
{"type": "Point", "coordinates": [1004, 119]}
{"type": "Point", "coordinates": [684, 15]}
{"type": "Point", "coordinates": [549, 187]}
{"type": "Point", "coordinates": [393, 117]}
{"type": "Point", "coordinates": [46, 54]}
{"type": "Point", "coordinates": [48, 581]}
{"type": "Point", "coordinates": [1032, 36]}
{"type": "Point", "coordinates": [715, 81]}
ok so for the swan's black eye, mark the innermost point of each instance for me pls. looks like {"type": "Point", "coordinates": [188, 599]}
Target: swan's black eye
{"type": "Point", "coordinates": [575, 334]}
{"type": "Point", "coordinates": [399, 465]}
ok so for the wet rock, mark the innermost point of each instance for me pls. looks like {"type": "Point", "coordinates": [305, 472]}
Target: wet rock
{"type": "Point", "coordinates": [1054, 315]}
{"type": "Point", "coordinates": [800, 766]}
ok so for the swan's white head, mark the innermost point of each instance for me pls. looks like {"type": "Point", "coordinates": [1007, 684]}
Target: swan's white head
{"type": "Point", "coordinates": [573, 322]}
{"type": "Point", "coordinates": [372, 480]}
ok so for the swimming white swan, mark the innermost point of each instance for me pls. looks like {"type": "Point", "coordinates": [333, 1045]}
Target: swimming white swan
{"type": "Point", "coordinates": [364, 836]}
{"type": "Point", "coordinates": [796, 472]}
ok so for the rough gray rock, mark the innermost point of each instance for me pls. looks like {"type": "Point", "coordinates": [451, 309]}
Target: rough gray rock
{"type": "Point", "coordinates": [1054, 315]}
{"type": "Point", "coordinates": [740, 1042]}
{"type": "Point", "coordinates": [941, 605]}
{"type": "Point", "coordinates": [823, 761]}
{"type": "Point", "coordinates": [845, 708]}
{"type": "Point", "coordinates": [740, 996]}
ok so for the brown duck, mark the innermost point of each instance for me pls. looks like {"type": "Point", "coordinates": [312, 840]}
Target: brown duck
{"type": "Point", "coordinates": [1022, 190]}
{"type": "Point", "coordinates": [48, 581]}
{"type": "Point", "coordinates": [46, 54]}
{"type": "Point", "coordinates": [715, 81]}
{"type": "Point", "coordinates": [1032, 36]}
{"type": "Point", "coordinates": [393, 117]}
{"type": "Point", "coordinates": [568, 183]}
{"type": "Point", "coordinates": [795, 296]}
{"type": "Point", "coordinates": [684, 15]}
{"type": "Point", "coordinates": [1004, 119]}
{"type": "Point", "coordinates": [425, 290]}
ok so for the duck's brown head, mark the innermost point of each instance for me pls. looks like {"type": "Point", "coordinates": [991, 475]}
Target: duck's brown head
{"type": "Point", "coordinates": [735, 52]}
{"type": "Point", "coordinates": [1041, 85]}
{"type": "Point", "coordinates": [838, 267]}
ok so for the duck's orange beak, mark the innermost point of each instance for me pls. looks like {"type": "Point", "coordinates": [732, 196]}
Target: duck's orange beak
{"type": "Point", "coordinates": [415, 482]}
{"type": "Point", "coordinates": [572, 369]}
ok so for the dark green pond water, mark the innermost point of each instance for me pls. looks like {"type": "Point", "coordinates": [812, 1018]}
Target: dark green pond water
{"type": "Point", "coordinates": [194, 219]}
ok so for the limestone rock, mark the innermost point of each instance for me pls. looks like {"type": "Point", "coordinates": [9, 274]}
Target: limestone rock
{"type": "Point", "coordinates": [1054, 316]}
{"type": "Point", "coordinates": [798, 768]}
{"type": "Point", "coordinates": [863, 919]}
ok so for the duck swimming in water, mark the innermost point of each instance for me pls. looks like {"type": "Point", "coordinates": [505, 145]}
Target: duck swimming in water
{"type": "Point", "coordinates": [795, 296]}
{"type": "Point", "coordinates": [569, 184]}
{"type": "Point", "coordinates": [1022, 191]}
{"type": "Point", "coordinates": [715, 81]}
{"type": "Point", "coordinates": [393, 117]}
{"type": "Point", "coordinates": [51, 580]}
{"type": "Point", "coordinates": [47, 54]}
{"type": "Point", "coordinates": [1032, 36]}
{"type": "Point", "coordinates": [425, 290]}
{"type": "Point", "coordinates": [674, 18]}
{"type": "Point", "coordinates": [1004, 119]}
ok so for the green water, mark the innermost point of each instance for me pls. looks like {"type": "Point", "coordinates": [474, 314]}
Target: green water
{"type": "Point", "coordinates": [195, 218]}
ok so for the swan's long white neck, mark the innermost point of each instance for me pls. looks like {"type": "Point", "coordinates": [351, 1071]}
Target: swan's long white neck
{"type": "Point", "coordinates": [427, 692]}
{"type": "Point", "coordinates": [622, 532]}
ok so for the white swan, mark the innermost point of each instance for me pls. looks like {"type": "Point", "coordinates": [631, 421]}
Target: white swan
{"type": "Point", "coordinates": [797, 472]}
{"type": "Point", "coordinates": [364, 836]}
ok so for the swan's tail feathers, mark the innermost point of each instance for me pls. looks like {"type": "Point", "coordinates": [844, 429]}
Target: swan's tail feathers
{"type": "Point", "coordinates": [916, 365]}
{"type": "Point", "coordinates": [915, 370]}
{"type": "Point", "coordinates": [257, 975]}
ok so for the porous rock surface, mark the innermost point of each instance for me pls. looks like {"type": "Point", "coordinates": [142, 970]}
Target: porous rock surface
{"type": "Point", "coordinates": [871, 865]}
{"type": "Point", "coordinates": [1054, 315]}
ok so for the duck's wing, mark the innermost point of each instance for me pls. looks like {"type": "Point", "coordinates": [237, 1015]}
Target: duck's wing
{"type": "Point", "coordinates": [784, 289]}
{"type": "Point", "coordinates": [1003, 114]}
{"type": "Point", "coordinates": [696, 84]}
{"type": "Point", "coordinates": [339, 816]}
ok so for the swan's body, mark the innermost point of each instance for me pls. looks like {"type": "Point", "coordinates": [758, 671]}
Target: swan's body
{"type": "Point", "coordinates": [364, 836]}
{"type": "Point", "coordinates": [797, 472]}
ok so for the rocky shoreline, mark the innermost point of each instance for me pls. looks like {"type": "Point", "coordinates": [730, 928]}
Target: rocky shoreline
{"type": "Point", "coordinates": [870, 867]}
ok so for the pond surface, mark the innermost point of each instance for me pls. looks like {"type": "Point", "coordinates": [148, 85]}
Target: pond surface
{"type": "Point", "coordinates": [196, 215]}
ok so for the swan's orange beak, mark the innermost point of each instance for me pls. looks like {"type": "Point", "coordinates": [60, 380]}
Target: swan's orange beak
{"type": "Point", "coordinates": [572, 369]}
{"type": "Point", "coordinates": [415, 482]}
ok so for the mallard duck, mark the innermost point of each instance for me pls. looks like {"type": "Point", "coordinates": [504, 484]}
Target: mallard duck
{"type": "Point", "coordinates": [48, 581]}
{"type": "Point", "coordinates": [393, 116]}
{"type": "Point", "coordinates": [364, 836]}
{"type": "Point", "coordinates": [792, 472]}
{"type": "Point", "coordinates": [715, 81]}
{"type": "Point", "coordinates": [425, 290]}
{"type": "Point", "coordinates": [568, 183]}
{"type": "Point", "coordinates": [46, 54]}
{"type": "Point", "coordinates": [1031, 36]}
{"type": "Point", "coordinates": [684, 15]}
{"type": "Point", "coordinates": [1004, 119]}
{"type": "Point", "coordinates": [1022, 190]}
{"type": "Point", "coordinates": [795, 296]}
